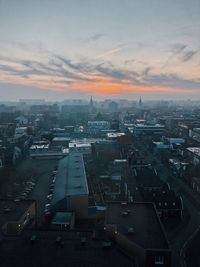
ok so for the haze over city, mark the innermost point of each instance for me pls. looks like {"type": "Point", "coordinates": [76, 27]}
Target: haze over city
{"type": "Point", "coordinates": [99, 133]}
{"type": "Point", "coordinates": [108, 49]}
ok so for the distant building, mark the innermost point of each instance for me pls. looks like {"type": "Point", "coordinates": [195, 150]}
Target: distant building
{"type": "Point", "coordinates": [19, 132]}
{"type": "Point", "coordinates": [95, 127]}
{"type": "Point", "coordinates": [146, 129]}
{"type": "Point", "coordinates": [60, 142]}
{"type": "Point", "coordinates": [113, 106]}
{"type": "Point", "coordinates": [81, 147]}
{"type": "Point", "coordinates": [43, 150]}
{"type": "Point", "coordinates": [140, 104]}
{"type": "Point", "coordinates": [114, 135]}
{"type": "Point", "coordinates": [21, 120]}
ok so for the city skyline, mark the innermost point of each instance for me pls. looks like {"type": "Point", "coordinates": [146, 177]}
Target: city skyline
{"type": "Point", "coordinates": [118, 49]}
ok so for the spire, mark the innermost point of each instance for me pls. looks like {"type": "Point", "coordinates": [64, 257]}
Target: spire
{"type": "Point", "coordinates": [91, 102]}
{"type": "Point", "coordinates": [140, 102]}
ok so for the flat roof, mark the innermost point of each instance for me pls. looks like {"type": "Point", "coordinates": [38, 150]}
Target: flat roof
{"type": "Point", "coordinates": [39, 147]}
{"type": "Point", "coordinates": [194, 150]}
{"type": "Point", "coordinates": [45, 253]}
{"type": "Point", "coordinates": [71, 177]}
{"type": "Point", "coordinates": [142, 217]}
{"type": "Point", "coordinates": [61, 139]}
{"type": "Point", "coordinates": [149, 125]}
{"type": "Point", "coordinates": [114, 135]}
{"type": "Point", "coordinates": [74, 145]}
{"type": "Point", "coordinates": [13, 209]}
{"type": "Point", "coordinates": [62, 218]}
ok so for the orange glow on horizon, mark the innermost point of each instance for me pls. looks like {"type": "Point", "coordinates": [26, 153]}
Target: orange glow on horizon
{"type": "Point", "coordinates": [98, 87]}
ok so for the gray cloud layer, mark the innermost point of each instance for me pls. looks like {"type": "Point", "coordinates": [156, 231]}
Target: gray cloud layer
{"type": "Point", "coordinates": [69, 72]}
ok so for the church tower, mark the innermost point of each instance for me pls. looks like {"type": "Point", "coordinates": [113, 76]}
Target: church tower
{"type": "Point", "coordinates": [91, 103]}
{"type": "Point", "coordinates": [140, 102]}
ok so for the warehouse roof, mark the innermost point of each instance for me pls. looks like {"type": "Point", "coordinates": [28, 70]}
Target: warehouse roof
{"type": "Point", "coordinates": [70, 178]}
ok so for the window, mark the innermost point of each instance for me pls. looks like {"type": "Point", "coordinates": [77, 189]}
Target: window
{"type": "Point", "coordinates": [159, 260]}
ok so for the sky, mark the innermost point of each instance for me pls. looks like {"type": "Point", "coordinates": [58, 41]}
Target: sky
{"type": "Point", "coordinates": [108, 49]}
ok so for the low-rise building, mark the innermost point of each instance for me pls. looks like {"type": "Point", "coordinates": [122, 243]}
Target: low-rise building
{"type": "Point", "coordinates": [95, 127]}
{"type": "Point", "coordinates": [43, 151]}
{"type": "Point", "coordinates": [168, 204]}
{"type": "Point", "coordinates": [60, 142]}
{"type": "Point", "coordinates": [194, 155]}
{"type": "Point", "coordinates": [146, 129]}
{"type": "Point", "coordinates": [137, 230]}
{"type": "Point", "coordinates": [81, 147]}
{"type": "Point", "coordinates": [71, 188]}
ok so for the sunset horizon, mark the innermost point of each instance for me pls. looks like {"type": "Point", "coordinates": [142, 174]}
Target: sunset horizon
{"type": "Point", "coordinates": [130, 48]}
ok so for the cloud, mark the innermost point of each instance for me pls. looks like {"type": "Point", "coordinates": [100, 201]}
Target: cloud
{"type": "Point", "coordinates": [147, 70]}
{"type": "Point", "coordinates": [59, 72]}
{"type": "Point", "coordinates": [129, 61]}
{"type": "Point", "coordinates": [187, 55]}
{"type": "Point", "coordinates": [177, 48]}
{"type": "Point", "coordinates": [111, 51]}
{"type": "Point", "coordinates": [115, 73]}
{"type": "Point", "coordinates": [172, 81]}
{"type": "Point", "coordinates": [180, 52]}
{"type": "Point", "coordinates": [95, 37]}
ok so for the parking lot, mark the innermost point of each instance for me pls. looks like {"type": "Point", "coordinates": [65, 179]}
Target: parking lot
{"type": "Point", "coordinates": [30, 179]}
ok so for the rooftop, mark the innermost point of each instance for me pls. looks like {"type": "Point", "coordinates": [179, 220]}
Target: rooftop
{"type": "Point", "coordinates": [62, 217]}
{"type": "Point", "coordinates": [142, 217]}
{"type": "Point", "coordinates": [70, 178]}
{"type": "Point", "coordinates": [114, 135]}
{"type": "Point", "coordinates": [75, 249]}
{"type": "Point", "coordinates": [39, 147]}
{"type": "Point", "coordinates": [194, 150]}
{"type": "Point", "coordinates": [149, 125]}
{"type": "Point", "coordinates": [71, 145]}
{"type": "Point", "coordinates": [147, 177]}
{"type": "Point", "coordinates": [163, 199]}
{"type": "Point", "coordinates": [55, 139]}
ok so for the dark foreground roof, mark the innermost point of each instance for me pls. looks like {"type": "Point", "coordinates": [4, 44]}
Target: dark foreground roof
{"type": "Point", "coordinates": [142, 217]}
{"type": "Point", "coordinates": [45, 252]}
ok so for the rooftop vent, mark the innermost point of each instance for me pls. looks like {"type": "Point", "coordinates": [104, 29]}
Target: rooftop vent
{"type": "Point", "coordinates": [124, 213]}
{"type": "Point", "coordinates": [131, 230]}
